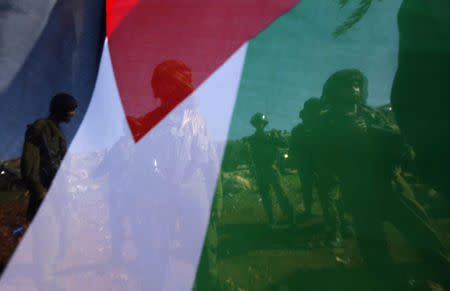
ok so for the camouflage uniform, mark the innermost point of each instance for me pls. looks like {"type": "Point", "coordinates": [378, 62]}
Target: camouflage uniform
{"type": "Point", "coordinates": [263, 152]}
{"type": "Point", "coordinates": [43, 151]}
{"type": "Point", "coordinates": [310, 171]}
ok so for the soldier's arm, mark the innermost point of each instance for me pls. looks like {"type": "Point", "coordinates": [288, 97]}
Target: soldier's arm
{"type": "Point", "coordinates": [30, 163]}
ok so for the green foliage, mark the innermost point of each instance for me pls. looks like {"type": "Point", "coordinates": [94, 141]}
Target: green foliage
{"type": "Point", "coordinates": [236, 153]}
{"type": "Point", "coordinates": [354, 18]}
{"type": "Point", "coordinates": [342, 3]}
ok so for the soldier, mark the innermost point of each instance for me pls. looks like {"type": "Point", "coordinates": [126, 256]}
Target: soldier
{"type": "Point", "coordinates": [183, 174]}
{"type": "Point", "coordinates": [420, 94]}
{"type": "Point", "coordinates": [301, 148]}
{"type": "Point", "coordinates": [305, 142]}
{"type": "Point", "coordinates": [116, 166]}
{"type": "Point", "coordinates": [366, 157]}
{"type": "Point", "coordinates": [44, 149]}
{"type": "Point", "coordinates": [263, 152]}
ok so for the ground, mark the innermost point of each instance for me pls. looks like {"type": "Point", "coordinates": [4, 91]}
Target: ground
{"type": "Point", "coordinates": [297, 259]}
{"type": "Point", "coordinates": [278, 258]}
{"type": "Point", "coordinates": [12, 216]}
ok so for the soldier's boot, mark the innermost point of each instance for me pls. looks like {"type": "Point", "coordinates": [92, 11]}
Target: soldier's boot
{"type": "Point", "coordinates": [285, 204]}
{"type": "Point", "coordinates": [307, 200]}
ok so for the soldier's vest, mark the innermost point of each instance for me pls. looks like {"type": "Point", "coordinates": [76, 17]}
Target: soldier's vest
{"type": "Point", "coordinates": [52, 149]}
{"type": "Point", "coordinates": [263, 150]}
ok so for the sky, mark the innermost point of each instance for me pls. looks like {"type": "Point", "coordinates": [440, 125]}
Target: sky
{"type": "Point", "coordinates": [285, 64]}
{"type": "Point", "coordinates": [290, 60]}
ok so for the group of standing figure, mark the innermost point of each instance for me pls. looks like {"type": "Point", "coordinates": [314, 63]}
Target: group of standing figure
{"type": "Point", "coordinates": [354, 155]}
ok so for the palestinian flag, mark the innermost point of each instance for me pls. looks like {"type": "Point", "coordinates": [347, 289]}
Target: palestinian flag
{"type": "Point", "coordinates": [154, 193]}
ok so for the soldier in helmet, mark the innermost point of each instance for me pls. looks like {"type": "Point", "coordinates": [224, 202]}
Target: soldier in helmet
{"type": "Point", "coordinates": [183, 173]}
{"type": "Point", "coordinates": [44, 149]}
{"type": "Point", "coordinates": [301, 147]}
{"type": "Point", "coordinates": [263, 151]}
{"type": "Point", "coordinates": [367, 160]}
{"type": "Point", "coordinates": [43, 152]}
{"type": "Point", "coordinates": [304, 146]}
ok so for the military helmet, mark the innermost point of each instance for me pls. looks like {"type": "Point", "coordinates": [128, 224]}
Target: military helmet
{"type": "Point", "coordinates": [259, 118]}
{"type": "Point", "coordinates": [312, 105]}
{"type": "Point", "coordinates": [62, 103]}
{"type": "Point", "coordinates": [347, 86]}
{"type": "Point", "coordinates": [172, 79]}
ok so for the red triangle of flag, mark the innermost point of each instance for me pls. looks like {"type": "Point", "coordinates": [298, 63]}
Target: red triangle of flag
{"type": "Point", "coordinates": [202, 34]}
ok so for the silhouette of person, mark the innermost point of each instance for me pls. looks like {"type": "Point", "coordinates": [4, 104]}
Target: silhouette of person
{"type": "Point", "coordinates": [183, 173]}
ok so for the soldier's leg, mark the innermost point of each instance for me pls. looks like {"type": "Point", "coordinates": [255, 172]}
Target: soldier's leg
{"type": "Point", "coordinates": [116, 221]}
{"type": "Point", "coordinates": [412, 221]}
{"type": "Point", "coordinates": [329, 194]}
{"type": "Point", "coordinates": [361, 201]}
{"type": "Point", "coordinates": [264, 190]}
{"type": "Point", "coordinates": [151, 239]}
{"type": "Point", "coordinates": [285, 203]}
{"type": "Point", "coordinates": [374, 249]}
{"type": "Point", "coordinates": [346, 226]}
{"type": "Point", "coordinates": [347, 229]}
{"type": "Point", "coordinates": [306, 183]}
{"type": "Point", "coordinates": [33, 206]}
{"type": "Point", "coordinates": [267, 202]}
{"type": "Point", "coordinates": [69, 223]}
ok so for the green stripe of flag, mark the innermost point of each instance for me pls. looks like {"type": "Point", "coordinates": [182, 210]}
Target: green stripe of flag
{"type": "Point", "coordinates": [285, 65]}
